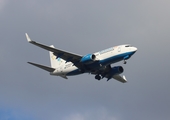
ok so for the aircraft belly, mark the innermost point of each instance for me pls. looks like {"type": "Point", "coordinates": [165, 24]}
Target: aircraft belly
{"type": "Point", "coordinates": [74, 72]}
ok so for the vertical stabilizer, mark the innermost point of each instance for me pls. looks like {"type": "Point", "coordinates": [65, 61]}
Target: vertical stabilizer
{"type": "Point", "coordinates": [55, 62]}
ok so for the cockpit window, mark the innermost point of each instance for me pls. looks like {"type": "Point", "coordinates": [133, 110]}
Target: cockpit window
{"type": "Point", "coordinates": [128, 45]}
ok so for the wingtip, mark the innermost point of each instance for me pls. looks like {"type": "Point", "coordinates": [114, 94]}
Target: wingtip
{"type": "Point", "coordinates": [29, 62]}
{"type": "Point", "coordinates": [52, 46]}
{"type": "Point", "coordinates": [28, 38]}
{"type": "Point", "coordinates": [124, 78]}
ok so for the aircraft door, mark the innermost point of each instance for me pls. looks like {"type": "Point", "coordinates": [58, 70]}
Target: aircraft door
{"type": "Point", "coordinates": [119, 49]}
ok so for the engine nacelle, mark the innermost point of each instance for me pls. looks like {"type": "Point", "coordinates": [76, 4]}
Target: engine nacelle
{"type": "Point", "coordinates": [116, 70]}
{"type": "Point", "coordinates": [87, 59]}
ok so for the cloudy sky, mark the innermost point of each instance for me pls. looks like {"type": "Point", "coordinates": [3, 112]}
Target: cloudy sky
{"type": "Point", "coordinates": [86, 26]}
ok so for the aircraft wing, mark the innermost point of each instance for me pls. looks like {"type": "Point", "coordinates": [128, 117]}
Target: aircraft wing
{"type": "Point", "coordinates": [49, 69]}
{"type": "Point", "coordinates": [120, 78]}
{"type": "Point", "coordinates": [74, 58]}
{"type": "Point", "coordinates": [105, 72]}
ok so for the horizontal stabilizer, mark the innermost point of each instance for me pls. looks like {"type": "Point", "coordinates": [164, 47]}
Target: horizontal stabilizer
{"type": "Point", "coordinates": [63, 76]}
{"type": "Point", "coordinates": [120, 78]}
{"type": "Point", "coordinates": [49, 69]}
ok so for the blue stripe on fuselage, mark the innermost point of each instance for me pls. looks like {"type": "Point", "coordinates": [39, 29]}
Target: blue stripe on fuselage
{"type": "Point", "coordinates": [74, 72]}
{"type": "Point", "coordinates": [115, 58]}
{"type": "Point", "coordinates": [108, 61]}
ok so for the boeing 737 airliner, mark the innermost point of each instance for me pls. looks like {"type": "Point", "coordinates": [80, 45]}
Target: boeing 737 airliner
{"type": "Point", "coordinates": [65, 63]}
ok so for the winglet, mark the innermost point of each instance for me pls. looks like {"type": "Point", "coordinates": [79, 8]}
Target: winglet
{"type": "Point", "coordinates": [124, 78]}
{"type": "Point", "coordinates": [28, 38]}
{"type": "Point", "coordinates": [120, 78]}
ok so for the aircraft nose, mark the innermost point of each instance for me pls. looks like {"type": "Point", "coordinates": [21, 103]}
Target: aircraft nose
{"type": "Point", "coordinates": [135, 49]}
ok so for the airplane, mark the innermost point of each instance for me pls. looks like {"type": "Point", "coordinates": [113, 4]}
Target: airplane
{"type": "Point", "coordinates": [65, 63]}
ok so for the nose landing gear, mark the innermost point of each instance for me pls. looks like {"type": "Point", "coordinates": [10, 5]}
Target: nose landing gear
{"type": "Point", "coordinates": [124, 62]}
{"type": "Point", "coordinates": [125, 58]}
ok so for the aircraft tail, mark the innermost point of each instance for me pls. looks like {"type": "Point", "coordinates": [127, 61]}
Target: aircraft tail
{"type": "Point", "coordinates": [55, 62]}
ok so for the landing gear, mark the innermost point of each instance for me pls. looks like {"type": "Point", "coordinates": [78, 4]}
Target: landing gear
{"type": "Point", "coordinates": [124, 62]}
{"type": "Point", "coordinates": [98, 77]}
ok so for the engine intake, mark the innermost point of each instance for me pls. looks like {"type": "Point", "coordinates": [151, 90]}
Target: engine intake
{"type": "Point", "coordinates": [116, 70]}
{"type": "Point", "coordinates": [87, 59]}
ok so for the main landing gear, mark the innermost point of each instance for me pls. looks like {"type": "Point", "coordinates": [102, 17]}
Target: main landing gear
{"type": "Point", "coordinates": [98, 77]}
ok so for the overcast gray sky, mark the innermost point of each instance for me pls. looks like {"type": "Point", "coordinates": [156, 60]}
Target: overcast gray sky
{"type": "Point", "coordinates": [86, 26]}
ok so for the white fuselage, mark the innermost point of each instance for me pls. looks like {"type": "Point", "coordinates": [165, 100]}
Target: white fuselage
{"type": "Point", "coordinates": [105, 57]}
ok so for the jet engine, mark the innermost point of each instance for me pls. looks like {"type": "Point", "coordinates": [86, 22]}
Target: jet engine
{"type": "Point", "coordinates": [87, 59]}
{"type": "Point", "coordinates": [116, 70]}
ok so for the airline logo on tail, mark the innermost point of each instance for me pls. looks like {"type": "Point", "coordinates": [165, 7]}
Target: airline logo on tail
{"type": "Point", "coordinates": [53, 57]}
